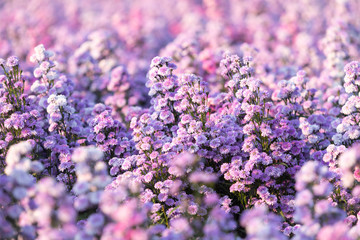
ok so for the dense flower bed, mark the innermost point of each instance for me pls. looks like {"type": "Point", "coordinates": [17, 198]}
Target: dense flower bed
{"type": "Point", "coordinates": [212, 119]}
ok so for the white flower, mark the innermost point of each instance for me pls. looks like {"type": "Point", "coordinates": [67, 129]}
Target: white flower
{"type": "Point", "coordinates": [350, 88]}
{"type": "Point", "coordinates": [348, 108]}
{"type": "Point", "coordinates": [14, 158]}
{"type": "Point", "coordinates": [51, 98]}
{"type": "Point", "coordinates": [52, 75]}
{"type": "Point", "coordinates": [40, 53]}
{"type": "Point", "coordinates": [60, 100]}
{"type": "Point", "coordinates": [341, 128]}
{"type": "Point", "coordinates": [52, 108]}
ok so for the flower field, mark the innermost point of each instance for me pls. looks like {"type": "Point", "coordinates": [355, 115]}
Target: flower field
{"type": "Point", "coordinates": [176, 120]}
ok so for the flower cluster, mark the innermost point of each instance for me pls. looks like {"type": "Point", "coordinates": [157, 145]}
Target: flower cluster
{"type": "Point", "coordinates": [16, 186]}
